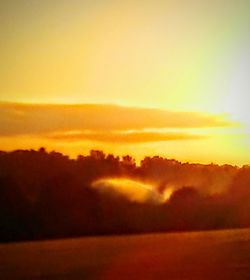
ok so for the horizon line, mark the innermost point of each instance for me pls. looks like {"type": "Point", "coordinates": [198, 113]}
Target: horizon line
{"type": "Point", "coordinates": [44, 150]}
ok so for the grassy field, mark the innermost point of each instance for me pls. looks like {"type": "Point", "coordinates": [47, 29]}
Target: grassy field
{"type": "Point", "coordinates": [196, 255]}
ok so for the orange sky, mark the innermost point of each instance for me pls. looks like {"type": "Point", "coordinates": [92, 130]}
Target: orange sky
{"type": "Point", "coordinates": [177, 70]}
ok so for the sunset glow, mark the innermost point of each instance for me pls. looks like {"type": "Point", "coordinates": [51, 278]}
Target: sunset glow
{"type": "Point", "coordinates": [139, 78]}
{"type": "Point", "coordinates": [125, 139]}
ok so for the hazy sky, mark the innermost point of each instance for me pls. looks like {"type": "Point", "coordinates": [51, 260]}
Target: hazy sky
{"type": "Point", "coordinates": [184, 56]}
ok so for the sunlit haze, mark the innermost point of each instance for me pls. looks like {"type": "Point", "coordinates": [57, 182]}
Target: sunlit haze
{"type": "Point", "coordinates": [167, 78]}
{"type": "Point", "coordinates": [133, 190]}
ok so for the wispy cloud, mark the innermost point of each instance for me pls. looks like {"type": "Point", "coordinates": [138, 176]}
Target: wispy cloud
{"type": "Point", "coordinates": [29, 119]}
{"type": "Point", "coordinates": [122, 136]}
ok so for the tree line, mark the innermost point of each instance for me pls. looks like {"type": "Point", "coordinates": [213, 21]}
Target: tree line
{"type": "Point", "coordinates": [48, 195]}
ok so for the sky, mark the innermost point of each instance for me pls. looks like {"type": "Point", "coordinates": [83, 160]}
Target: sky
{"type": "Point", "coordinates": [129, 77]}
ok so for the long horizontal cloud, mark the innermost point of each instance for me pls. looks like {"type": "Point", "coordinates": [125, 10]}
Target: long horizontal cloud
{"type": "Point", "coordinates": [23, 119]}
{"type": "Point", "coordinates": [122, 137]}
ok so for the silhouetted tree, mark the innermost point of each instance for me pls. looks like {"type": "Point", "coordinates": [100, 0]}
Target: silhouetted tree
{"type": "Point", "coordinates": [47, 195]}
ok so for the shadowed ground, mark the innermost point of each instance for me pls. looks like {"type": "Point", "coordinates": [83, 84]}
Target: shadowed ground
{"type": "Point", "coordinates": [196, 255]}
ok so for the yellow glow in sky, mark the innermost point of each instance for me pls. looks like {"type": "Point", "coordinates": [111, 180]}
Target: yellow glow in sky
{"type": "Point", "coordinates": [181, 56]}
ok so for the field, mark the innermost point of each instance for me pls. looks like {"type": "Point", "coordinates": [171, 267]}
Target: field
{"type": "Point", "coordinates": [196, 255]}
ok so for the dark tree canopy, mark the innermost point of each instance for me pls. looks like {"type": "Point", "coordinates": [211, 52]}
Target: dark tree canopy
{"type": "Point", "coordinates": [48, 195]}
